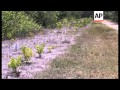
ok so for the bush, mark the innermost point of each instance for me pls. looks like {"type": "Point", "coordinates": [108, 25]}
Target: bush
{"type": "Point", "coordinates": [27, 52]}
{"type": "Point", "coordinates": [63, 22]}
{"type": "Point", "coordinates": [78, 23]}
{"type": "Point", "coordinates": [47, 19]}
{"type": "Point", "coordinates": [15, 63]}
{"type": "Point", "coordinates": [59, 25]}
{"type": "Point", "coordinates": [40, 49]}
{"type": "Point", "coordinates": [17, 24]}
{"type": "Point", "coordinates": [112, 15]}
{"type": "Point", "coordinates": [24, 23]}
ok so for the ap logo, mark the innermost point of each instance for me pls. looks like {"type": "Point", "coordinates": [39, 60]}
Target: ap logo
{"type": "Point", "coordinates": [98, 16]}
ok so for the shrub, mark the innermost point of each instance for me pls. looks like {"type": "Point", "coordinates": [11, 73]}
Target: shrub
{"type": "Point", "coordinates": [112, 15]}
{"type": "Point", "coordinates": [27, 52]}
{"type": "Point", "coordinates": [15, 63]}
{"type": "Point", "coordinates": [59, 25]}
{"type": "Point", "coordinates": [45, 18]}
{"type": "Point", "coordinates": [17, 24]}
{"type": "Point", "coordinates": [40, 49]}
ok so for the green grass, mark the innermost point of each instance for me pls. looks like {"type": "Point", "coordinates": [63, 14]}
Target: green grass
{"type": "Point", "coordinates": [94, 56]}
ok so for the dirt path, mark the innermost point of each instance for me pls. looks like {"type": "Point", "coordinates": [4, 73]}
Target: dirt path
{"type": "Point", "coordinates": [111, 24]}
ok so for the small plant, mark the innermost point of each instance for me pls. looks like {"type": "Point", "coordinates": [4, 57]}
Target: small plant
{"type": "Point", "coordinates": [27, 52]}
{"type": "Point", "coordinates": [50, 48]}
{"type": "Point", "coordinates": [40, 49]}
{"type": "Point", "coordinates": [65, 21]}
{"type": "Point", "coordinates": [15, 63]}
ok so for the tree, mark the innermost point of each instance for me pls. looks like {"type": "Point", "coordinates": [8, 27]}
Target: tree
{"type": "Point", "coordinates": [112, 15]}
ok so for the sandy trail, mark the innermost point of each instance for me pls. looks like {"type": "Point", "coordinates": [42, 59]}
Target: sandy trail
{"type": "Point", "coordinates": [111, 24]}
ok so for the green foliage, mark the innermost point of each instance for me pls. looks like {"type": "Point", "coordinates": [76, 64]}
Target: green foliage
{"type": "Point", "coordinates": [40, 49]}
{"type": "Point", "coordinates": [45, 18]}
{"type": "Point", "coordinates": [20, 23]}
{"type": "Point", "coordinates": [112, 15]}
{"type": "Point", "coordinates": [16, 24]}
{"type": "Point", "coordinates": [50, 18]}
{"type": "Point", "coordinates": [65, 22]}
{"type": "Point", "coordinates": [75, 14]}
{"type": "Point", "coordinates": [26, 23]}
{"type": "Point", "coordinates": [59, 25]}
{"type": "Point", "coordinates": [84, 21]}
{"type": "Point", "coordinates": [27, 52]}
{"type": "Point", "coordinates": [15, 63]}
{"type": "Point", "coordinates": [78, 23]}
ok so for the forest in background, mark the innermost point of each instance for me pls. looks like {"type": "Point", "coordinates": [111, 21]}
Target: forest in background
{"type": "Point", "coordinates": [26, 23]}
